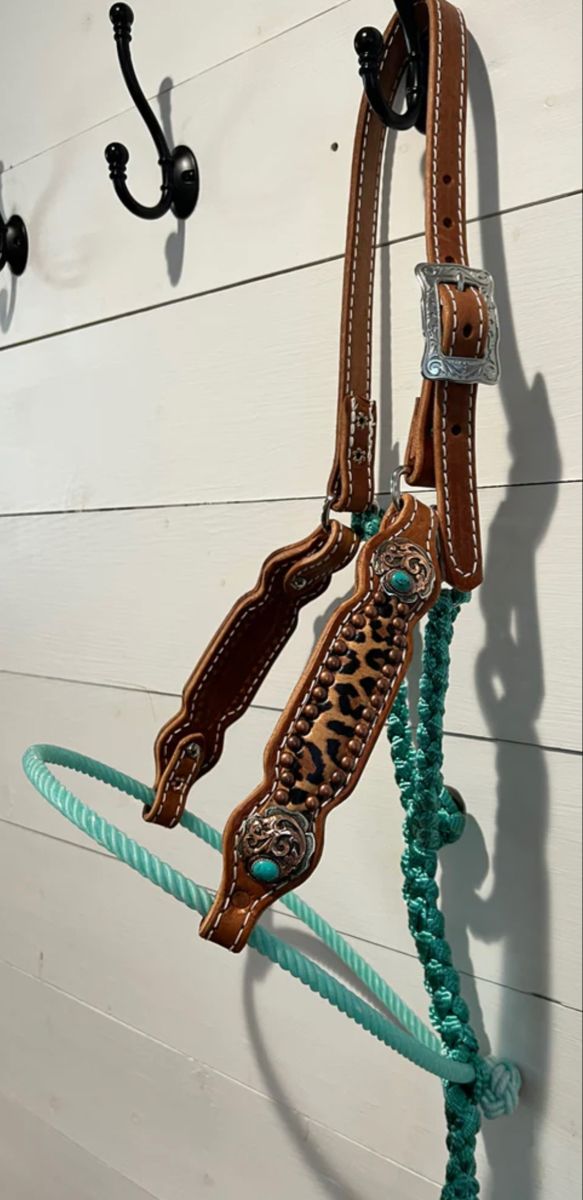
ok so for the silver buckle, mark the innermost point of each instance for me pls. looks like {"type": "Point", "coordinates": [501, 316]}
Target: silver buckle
{"type": "Point", "coordinates": [436, 364]}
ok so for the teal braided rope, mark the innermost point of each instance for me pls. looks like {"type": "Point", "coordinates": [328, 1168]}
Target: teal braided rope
{"type": "Point", "coordinates": [433, 820]}
{"type": "Point", "coordinates": [423, 1049]}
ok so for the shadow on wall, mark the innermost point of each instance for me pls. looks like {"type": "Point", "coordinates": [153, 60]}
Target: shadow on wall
{"type": "Point", "coordinates": [176, 241]}
{"type": "Point", "coordinates": [509, 678]}
{"type": "Point", "coordinates": [7, 294]}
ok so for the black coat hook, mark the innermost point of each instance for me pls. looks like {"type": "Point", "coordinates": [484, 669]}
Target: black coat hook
{"type": "Point", "coordinates": [13, 245]}
{"type": "Point", "coordinates": [180, 178]}
{"type": "Point", "coordinates": [369, 46]}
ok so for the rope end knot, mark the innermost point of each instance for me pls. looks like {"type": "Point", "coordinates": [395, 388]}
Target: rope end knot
{"type": "Point", "coordinates": [501, 1084]}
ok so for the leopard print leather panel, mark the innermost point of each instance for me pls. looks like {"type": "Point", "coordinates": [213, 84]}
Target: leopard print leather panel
{"type": "Point", "coordinates": [322, 742]}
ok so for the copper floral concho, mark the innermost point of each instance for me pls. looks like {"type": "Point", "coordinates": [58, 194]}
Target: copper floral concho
{"type": "Point", "coordinates": [404, 570]}
{"type": "Point", "coordinates": [275, 845]}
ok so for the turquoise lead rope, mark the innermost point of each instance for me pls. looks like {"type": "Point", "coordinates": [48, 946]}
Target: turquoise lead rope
{"type": "Point", "coordinates": [473, 1085]}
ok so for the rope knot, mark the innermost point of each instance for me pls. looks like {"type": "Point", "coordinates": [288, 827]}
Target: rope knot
{"type": "Point", "coordinates": [501, 1083]}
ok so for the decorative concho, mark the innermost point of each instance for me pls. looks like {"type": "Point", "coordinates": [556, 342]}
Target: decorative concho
{"type": "Point", "coordinates": [275, 845]}
{"type": "Point", "coordinates": [405, 570]}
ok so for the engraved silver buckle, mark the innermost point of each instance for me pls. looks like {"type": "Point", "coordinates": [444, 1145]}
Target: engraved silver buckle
{"type": "Point", "coordinates": [436, 364]}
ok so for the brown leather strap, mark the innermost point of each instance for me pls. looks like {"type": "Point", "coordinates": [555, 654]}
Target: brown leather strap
{"type": "Point", "coordinates": [237, 660]}
{"type": "Point", "coordinates": [323, 739]}
{"type": "Point", "coordinates": [441, 451]}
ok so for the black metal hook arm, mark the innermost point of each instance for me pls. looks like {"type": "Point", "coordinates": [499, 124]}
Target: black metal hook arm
{"type": "Point", "coordinates": [13, 244]}
{"type": "Point", "coordinates": [369, 46]}
{"type": "Point", "coordinates": [180, 179]}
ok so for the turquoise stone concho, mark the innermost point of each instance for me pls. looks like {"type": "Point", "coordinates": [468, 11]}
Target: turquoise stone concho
{"type": "Point", "coordinates": [405, 570]}
{"type": "Point", "coordinates": [276, 845]}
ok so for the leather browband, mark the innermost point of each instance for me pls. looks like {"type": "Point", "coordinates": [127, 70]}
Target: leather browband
{"type": "Point", "coordinates": [324, 737]}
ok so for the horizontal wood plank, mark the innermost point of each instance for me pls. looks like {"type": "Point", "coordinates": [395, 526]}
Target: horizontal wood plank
{"type": "Point", "coordinates": [33, 1156]}
{"type": "Point", "coordinates": [165, 52]}
{"type": "Point", "coordinates": [170, 1122]}
{"type": "Point", "coordinates": [237, 1062]}
{"type": "Point", "coordinates": [511, 889]}
{"type": "Point", "coordinates": [257, 422]}
{"type": "Point", "coordinates": [132, 598]}
{"type": "Point", "coordinates": [267, 163]}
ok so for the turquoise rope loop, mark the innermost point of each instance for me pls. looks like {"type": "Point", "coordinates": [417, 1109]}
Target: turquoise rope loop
{"type": "Point", "coordinates": [473, 1086]}
{"type": "Point", "coordinates": [419, 1046]}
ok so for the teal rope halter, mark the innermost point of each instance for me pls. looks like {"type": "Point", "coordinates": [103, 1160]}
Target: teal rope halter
{"type": "Point", "coordinates": [473, 1085]}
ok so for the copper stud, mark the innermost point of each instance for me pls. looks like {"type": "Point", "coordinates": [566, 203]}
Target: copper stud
{"type": "Point", "coordinates": [325, 791]}
{"type": "Point", "coordinates": [287, 759]}
{"type": "Point", "coordinates": [358, 620]}
{"type": "Point", "coordinates": [294, 743]}
{"type": "Point", "coordinates": [403, 610]}
{"type": "Point", "coordinates": [367, 715]}
{"type": "Point", "coordinates": [339, 646]}
{"type": "Point", "coordinates": [347, 763]}
{"type": "Point", "coordinates": [389, 670]}
{"type": "Point", "coordinates": [382, 684]}
{"type": "Point", "coordinates": [281, 796]}
{"type": "Point", "coordinates": [349, 632]}
{"type": "Point", "coordinates": [287, 779]}
{"type": "Point", "coordinates": [302, 727]}
{"type": "Point", "coordinates": [395, 655]}
{"type": "Point", "coordinates": [326, 678]}
{"type": "Point", "coordinates": [371, 610]}
{"type": "Point", "coordinates": [312, 803]}
{"type": "Point", "coordinates": [398, 623]}
{"type": "Point", "coordinates": [379, 598]}
{"type": "Point", "coordinates": [399, 639]}
{"type": "Point", "coordinates": [355, 745]}
{"type": "Point", "coordinates": [376, 701]}
{"type": "Point", "coordinates": [333, 662]}
{"type": "Point", "coordinates": [319, 694]}
{"type": "Point", "coordinates": [338, 778]}
{"type": "Point", "coordinates": [310, 712]}
{"type": "Point", "coordinates": [361, 730]}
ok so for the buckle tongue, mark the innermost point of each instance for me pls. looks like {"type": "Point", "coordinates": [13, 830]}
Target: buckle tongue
{"type": "Point", "coordinates": [436, 364]}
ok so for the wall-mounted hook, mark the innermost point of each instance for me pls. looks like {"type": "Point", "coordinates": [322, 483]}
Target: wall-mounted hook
{"type": "Point", "coordinates": [13, 244]}
{"type": "Point", "coordinates": [369, 46]}
{"type": "Point", "coordinates": [180, 179]}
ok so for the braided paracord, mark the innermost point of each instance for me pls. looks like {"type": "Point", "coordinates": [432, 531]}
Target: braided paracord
{"type": "Point", "coordinates": [432, 820]}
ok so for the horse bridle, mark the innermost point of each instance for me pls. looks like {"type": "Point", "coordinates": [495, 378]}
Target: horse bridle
{"type": "Point", "coordinates": [323, 739]}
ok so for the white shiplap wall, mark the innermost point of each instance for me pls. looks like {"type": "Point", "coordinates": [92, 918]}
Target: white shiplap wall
{"type": "Point", "coordinates": [147, 405]}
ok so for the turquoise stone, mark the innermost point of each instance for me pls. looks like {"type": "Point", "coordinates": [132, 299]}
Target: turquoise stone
{"type": "Point", "coordinates": [265, 871]}
{"type": "Point", "coordinates": [401, 581]}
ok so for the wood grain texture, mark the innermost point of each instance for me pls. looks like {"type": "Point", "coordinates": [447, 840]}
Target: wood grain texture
{"type": "Point", "coordinates": [165, 52]}
{"type": "Point", "coordinates": [265, 154]}
{"type": "Point", "coordinates": [205, 425]}
{"type": "Point", "coordinates": [32, 1151]}
{"type": "Point", "coordinates": [512, 890]}
{"type": "Point", "coordinates": [131, 599]}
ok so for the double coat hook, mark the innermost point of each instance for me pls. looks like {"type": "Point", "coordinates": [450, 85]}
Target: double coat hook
{"type": "Point", "coordinates": [180, 178]}
{"type": "Point", "coordinates": [369, 46]}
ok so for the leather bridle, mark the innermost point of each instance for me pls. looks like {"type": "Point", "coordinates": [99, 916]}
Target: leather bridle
{"type": "Point", "coordinates": [322, 741]}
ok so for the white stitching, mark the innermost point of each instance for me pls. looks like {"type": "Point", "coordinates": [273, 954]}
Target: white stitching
{"type": "Point", "coordinates": [460, 142]}
{"type": "Point", "coordinates": [289, 724]}
{"type": "Point", "coordinates": [184, 785]}
{"type": "Point", "coordinates": [436, 121]}
{"type": "Point", "coordinates": [352, 296]}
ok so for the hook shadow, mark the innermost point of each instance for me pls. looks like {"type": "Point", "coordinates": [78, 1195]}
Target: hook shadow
{"type": "Point", "coordinates": [510, 681]}
{"type": "Point", "coordinates": [176, 241]}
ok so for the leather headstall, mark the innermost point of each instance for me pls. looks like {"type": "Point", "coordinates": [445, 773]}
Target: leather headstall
{"type": "Point", "coordinates": [323, 739]}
